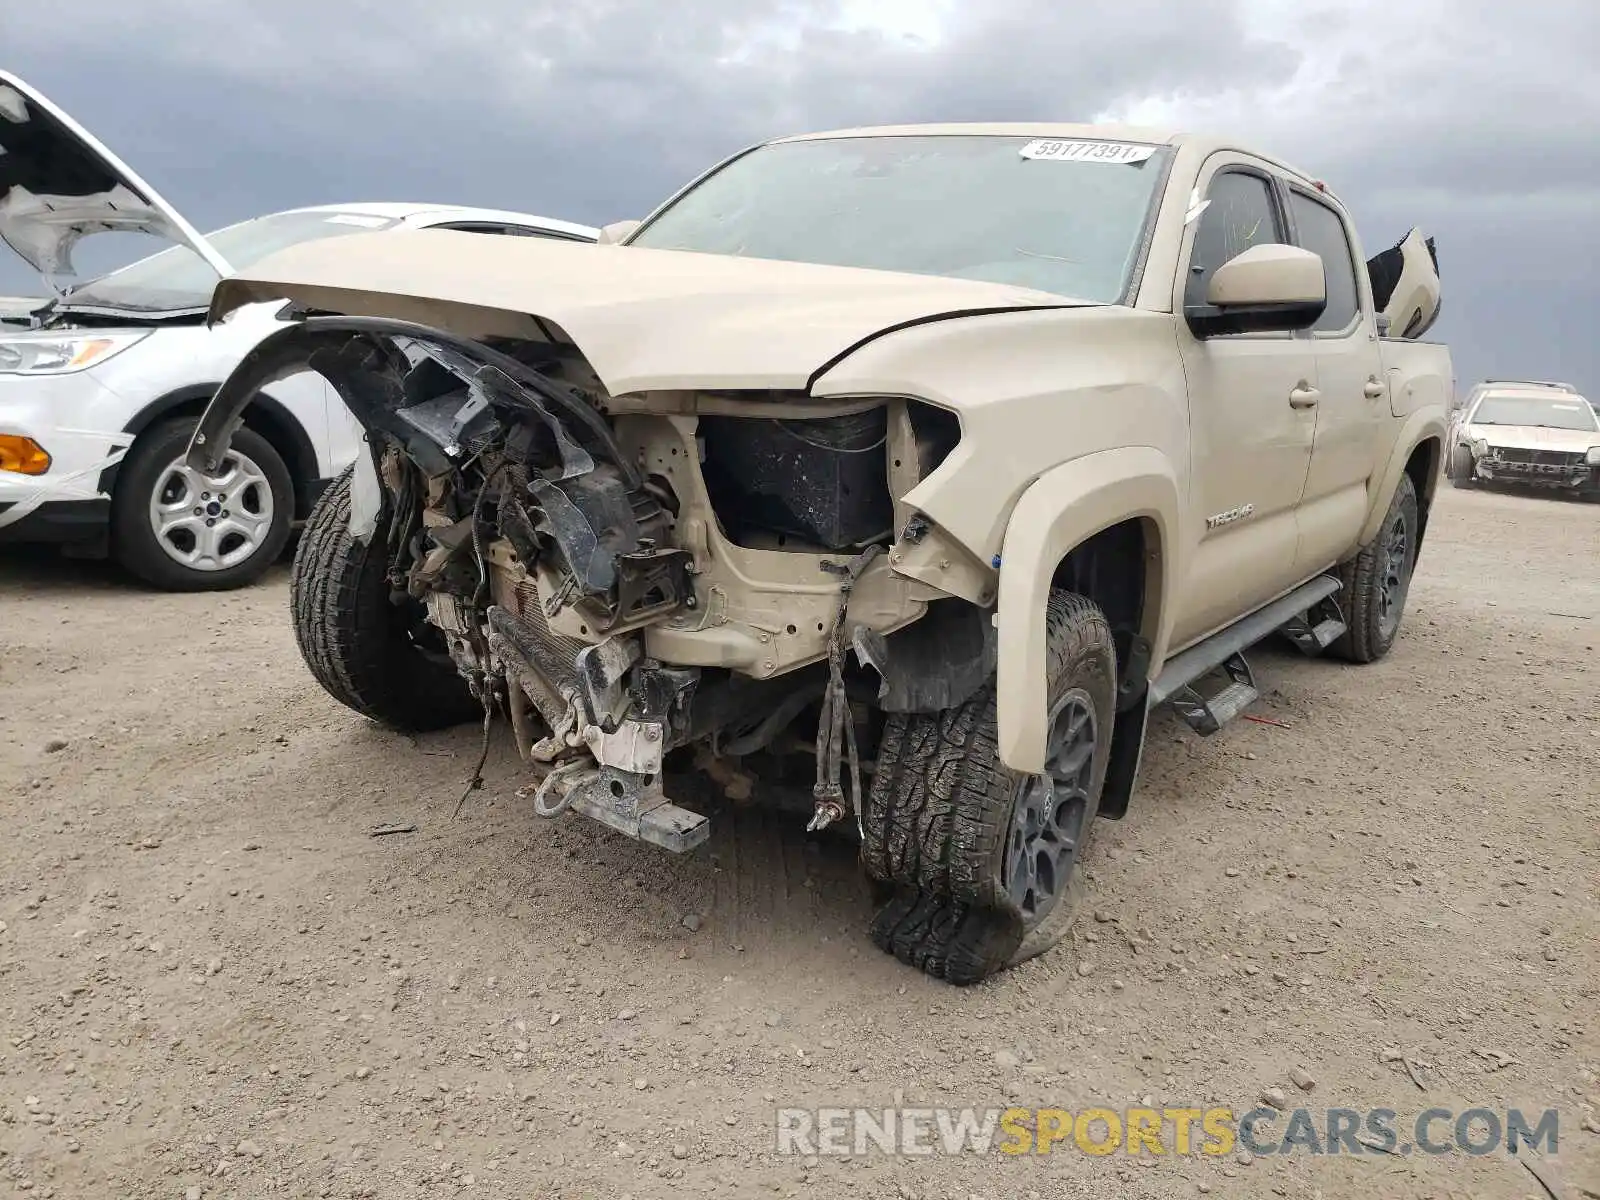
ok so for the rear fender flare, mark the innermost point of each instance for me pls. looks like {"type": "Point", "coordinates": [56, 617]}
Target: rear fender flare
{"type": "Point", "coordinates": [1061, 509]}
{"type": "Point", "coordinates": [1418, 428]}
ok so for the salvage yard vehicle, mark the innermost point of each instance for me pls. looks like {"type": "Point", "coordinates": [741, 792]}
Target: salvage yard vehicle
{"type": "Point", "coordinates": [926, 460]}
{"type": "Point", "coordinates": [102, 382]}
{"type": "Point", "coordinates": [1540, 435]}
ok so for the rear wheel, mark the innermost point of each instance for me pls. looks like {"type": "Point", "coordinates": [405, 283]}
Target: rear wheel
{"type": "Point", "coordinates": [979, 862]}
{"type": "Point", "coordinates": [379, 658]}
{"type": "Point", "coordinates": [1378, 580]}
{"type": "Point", "coordinates": [193, 531]}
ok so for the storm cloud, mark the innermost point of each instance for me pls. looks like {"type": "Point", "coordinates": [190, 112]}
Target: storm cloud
{"type": "Point", "coordinates": [1472, 120]}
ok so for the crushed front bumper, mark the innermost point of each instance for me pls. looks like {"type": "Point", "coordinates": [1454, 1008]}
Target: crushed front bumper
{"type": "Point", "coordinates": [1536, 468]}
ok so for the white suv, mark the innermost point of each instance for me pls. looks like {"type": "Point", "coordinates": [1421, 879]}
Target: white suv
{"type": "Point", "coordinates": [100, 387]}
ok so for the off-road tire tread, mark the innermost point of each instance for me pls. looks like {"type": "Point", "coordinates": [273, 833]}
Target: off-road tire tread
{"type": "Point", "coordinates": [938, 811]}
{"type": "Point", "coordinates": [1362, 641]}
{"type": "Point", "coordinates": [345, 628]}
{"type": "Point", "coordinates": [955, 942]}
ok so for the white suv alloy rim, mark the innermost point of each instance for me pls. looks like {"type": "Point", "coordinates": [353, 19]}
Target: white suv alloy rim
{"type": "Point", "coordinates": [211, 522]}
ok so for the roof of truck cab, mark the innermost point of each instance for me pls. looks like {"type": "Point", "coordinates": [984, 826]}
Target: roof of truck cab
{"type": "Point", "coordinates": [1205, 143]}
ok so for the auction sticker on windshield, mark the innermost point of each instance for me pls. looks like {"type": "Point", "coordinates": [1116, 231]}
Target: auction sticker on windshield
{"type": "Point", "coordinates": [1059, 150]}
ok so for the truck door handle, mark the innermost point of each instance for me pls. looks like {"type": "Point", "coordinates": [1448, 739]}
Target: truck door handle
{"type": "Point", "coordinates": [1304, 396]}
{"type": "Point", "coordinates": [1373, 389]}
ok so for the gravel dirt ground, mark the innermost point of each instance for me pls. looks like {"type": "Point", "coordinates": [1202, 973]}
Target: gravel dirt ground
{"type": "Point", "coordinates": [215, 983]}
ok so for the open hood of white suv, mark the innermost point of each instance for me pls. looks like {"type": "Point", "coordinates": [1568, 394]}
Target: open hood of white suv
{"type": "Point", "coordinates": [58, 185]}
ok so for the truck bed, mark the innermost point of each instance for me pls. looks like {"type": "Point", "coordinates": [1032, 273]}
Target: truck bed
{"type": "Point", "coordinates": [1420, 374]}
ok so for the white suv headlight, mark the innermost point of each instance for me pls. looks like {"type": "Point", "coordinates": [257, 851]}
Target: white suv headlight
{"type": "Point", "coordinates": [62, 354]}
{"type": "Point", "coordinates": [1481, 447]}
{"type": "Point", "coordinates": [1593, 457]}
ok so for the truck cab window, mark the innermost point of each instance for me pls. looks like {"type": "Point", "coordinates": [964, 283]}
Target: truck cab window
{"type": "Point", "coordinates": [1320, 229]}
{"type": "Point", "coordinates": [1240, 214]}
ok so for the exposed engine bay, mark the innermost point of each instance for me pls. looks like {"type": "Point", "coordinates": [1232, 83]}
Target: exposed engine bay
{"type": "Point", "coordinates": [627, 577]}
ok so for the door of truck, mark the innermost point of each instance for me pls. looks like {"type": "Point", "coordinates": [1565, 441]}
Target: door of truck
{"type": "Point", "coordinates": [1250, 414]}
{"type": "Point", "coordinates": [1352, 405]}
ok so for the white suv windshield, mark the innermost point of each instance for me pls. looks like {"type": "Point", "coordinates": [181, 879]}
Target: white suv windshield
{"type": "Point", "coordinates": [969, 206]}
{"type": "Point", "coordinates": [177, 278]}
{"type": "Point", "coordinates": [1567, 412]}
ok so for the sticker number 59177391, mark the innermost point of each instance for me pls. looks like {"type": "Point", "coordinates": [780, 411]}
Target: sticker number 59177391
{"type": "Point", "coordinates": [1060, 150]}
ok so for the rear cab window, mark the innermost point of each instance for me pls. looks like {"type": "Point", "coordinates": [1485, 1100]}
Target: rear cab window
{"type": "Point", "coordinates": [1321, 229]}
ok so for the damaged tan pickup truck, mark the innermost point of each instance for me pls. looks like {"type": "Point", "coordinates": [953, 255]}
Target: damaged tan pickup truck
{"type": "Point", "coordinates": [936, 455]}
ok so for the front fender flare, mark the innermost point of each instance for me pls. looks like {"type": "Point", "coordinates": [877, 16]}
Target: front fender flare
{"type": "Point", "coordinates": [1058, 511]}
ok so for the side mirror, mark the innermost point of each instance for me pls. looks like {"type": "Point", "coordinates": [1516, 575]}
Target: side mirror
{"type": "Point", "coordinates": [1268, 289]}
{"type": "Point", "coordinates": [613, 233]}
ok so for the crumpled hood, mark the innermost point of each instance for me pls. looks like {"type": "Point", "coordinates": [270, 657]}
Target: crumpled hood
{"type": "Point", "coordinates": [646, 320]}
{"type": "Point", "coordinates": [1533, 437]}
{"type": "Point", "coordinates": [58, 185]}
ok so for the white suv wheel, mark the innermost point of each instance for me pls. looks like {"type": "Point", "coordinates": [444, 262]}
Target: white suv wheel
{"type": "Point", "coordinates": [189, 530]}
{"type": "Point", "coordinates": [212, 522]}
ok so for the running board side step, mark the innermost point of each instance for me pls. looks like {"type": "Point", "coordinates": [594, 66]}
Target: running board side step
{"type": "Point", "coordinates": [1205, 714]}
{"type": "Point", "coordinates": [1319, 627]}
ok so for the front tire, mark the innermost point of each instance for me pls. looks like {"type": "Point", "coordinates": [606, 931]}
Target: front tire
{"type": "Point", "coordinates": [369, 654]}
{"type": "Point", "coordinates": [980, 863]}
{"type": "Point", "coordinates": [1459, 467]}
{"type": "Point", "coordinates": [183, 530]}
{"type": "Point", "coordinates": [1377, 581]}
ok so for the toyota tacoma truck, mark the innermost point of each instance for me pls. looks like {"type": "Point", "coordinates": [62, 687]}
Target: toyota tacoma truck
{"type": "Point", "coordinates": [925, 461]}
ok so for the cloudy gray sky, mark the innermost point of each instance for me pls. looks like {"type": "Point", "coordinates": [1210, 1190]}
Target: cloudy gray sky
{"type": "Point", "coordinates": [1473, 119]}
